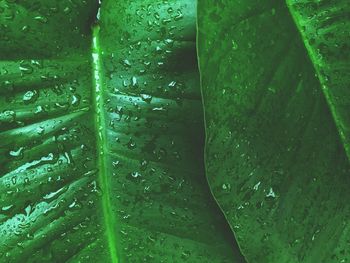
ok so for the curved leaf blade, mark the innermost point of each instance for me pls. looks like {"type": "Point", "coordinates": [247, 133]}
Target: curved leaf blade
{"type": "Point", "coordinates": [153, 113]}
{"type": "Point", "coordinates": [50, 199]}
{"type": "Point", "coordinates": [325, 29]}
{"type": "Point", "coordinates": [274, 158]}
{"type": "Point", "coordinates": [90, 170]}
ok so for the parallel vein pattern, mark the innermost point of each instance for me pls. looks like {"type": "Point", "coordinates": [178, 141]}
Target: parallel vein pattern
{"type": "Point", "coordinates": [50, 198]}
{"type": "Point", "coordinates": [325, 29]}
{"type": "Point", "coordinates": [274, 158]}
{"type": "Point", "coordinates": [154, 125]}
{"type": "Point", "coordinates": [101, 151]}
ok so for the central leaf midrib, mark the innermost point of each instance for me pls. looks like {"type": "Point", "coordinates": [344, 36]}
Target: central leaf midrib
{"type": "Point", "coordinates": [312, 56]}
{"type": "Point", "coordinates": [101, 145]}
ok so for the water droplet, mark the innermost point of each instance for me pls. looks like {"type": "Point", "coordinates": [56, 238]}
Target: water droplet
{"type": "Point", "coordinates": [126, 63]}
{"type": "Point", "coordinates": [131, 144]}
{"type": "Point", "coordinates": [41, 19]}
{"type": "Point", "coordinates": [234, 45]}
{"type": "Point", "coordinates": [226, 187]}
{"type": "Point", "coordinates": [134, 81]}
{"type": "Point", "coordinates": [30, 96]}
{"type": "Point", "coordinates": [25, 68]}
{"type": "Point", "coordinates": [7, 116]}
{"type": "Point", "coordinates": [14, 180]}
{"type": "Point", "coordinates": [39, 109]}
{"type": "Point", "coordinates": [17, 153]}
{"type": "Point", "coordinates": [147, 98]}
{"type": "Point", "coordinates": [271, 193]}
{"type": "Point", "coordinates": [75, 100]}
{"type": "Point", "coordinates": [144, 165]}
{"type": "Point", "coordinates": [256, 187]}
{"type": "Point", "coordinates": [40, 130]}
{"type": "Point", "coordinates": [172, 84]}
{"type": "Point", "coordinates": [7, 208]}
{"type": "Point", "coordinates": [169, 41]}
{"type": "Point", "coordinates": [135, 174]}
{"type": "Point", "coordinates": [179, 15]}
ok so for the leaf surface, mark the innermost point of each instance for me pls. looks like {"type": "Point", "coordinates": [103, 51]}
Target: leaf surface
{"type": "Point", "coordinates": [276, 99]}
{"type": "Point", "coordinates": [153, 114]}
{"type": "Point", "coordinates": [101, 136]}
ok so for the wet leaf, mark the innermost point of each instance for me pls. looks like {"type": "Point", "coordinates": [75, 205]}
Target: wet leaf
{"type": "Point", "coordinates": [275, 85]}
{"type": "Point", "coordinates": [101, 136]}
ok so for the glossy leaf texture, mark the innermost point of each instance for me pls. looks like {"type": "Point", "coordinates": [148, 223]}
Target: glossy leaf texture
{"type": "Point", "coordinates": [101, 136]}
{"type": "Point", "coordinates": [50, 198]}
{"type": "Point", "coordinates": [275, 85]}
{"type": "Point", "coordinates": [154, 127]}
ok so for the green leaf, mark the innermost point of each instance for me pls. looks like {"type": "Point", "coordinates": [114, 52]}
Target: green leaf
{"type": "Point", "coordinates": [101, 136]}
{"type": "Point", "coordinates": [276, 99]}
{"type": "Point", "coordinates": [325, 30]}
